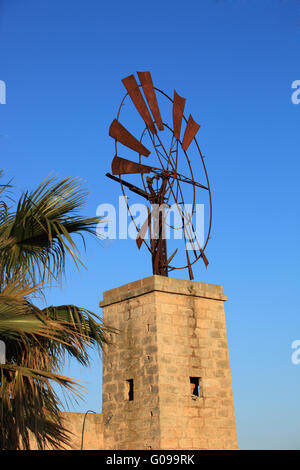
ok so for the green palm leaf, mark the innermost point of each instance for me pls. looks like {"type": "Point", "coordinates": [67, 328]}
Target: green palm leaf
{"type": "Point", "coordinates": [35, 239]}
{"type": "Point", "coordinates": [39, 233]}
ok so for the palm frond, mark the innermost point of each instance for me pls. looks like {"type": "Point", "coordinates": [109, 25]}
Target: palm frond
{"type": "Point", "coordinates": [83, 329]}
{"type": "Point", "coordinates": [35, 240]}
{"type": "Point", "coordinates": [41, 229]}
{"type": "Point", "coordinates": [29, 408]}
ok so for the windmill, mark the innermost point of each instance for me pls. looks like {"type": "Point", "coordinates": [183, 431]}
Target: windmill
{"type": "Point", "coordinates": [164, 172]}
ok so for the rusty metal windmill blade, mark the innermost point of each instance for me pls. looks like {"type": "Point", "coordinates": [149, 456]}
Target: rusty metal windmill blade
{"type": "Point", "coordinates": [121, 134]}
{"type": "Point", "coordinates": [136, 96]}
{"type": "Point", "coordinates": [143, 230]}
{"type": "Point", "coordinates": [190, 131]}
{"type": "Point", "coordinates": [121, 166]}
{"type": "Point", "coordinates": [148, 88]}
{"type": "Point", "coordinates": [206, 262]}
{"type": "Point", "coordinates": [178, 109]}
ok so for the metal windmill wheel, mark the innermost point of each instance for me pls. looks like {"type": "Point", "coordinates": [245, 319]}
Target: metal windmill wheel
{"type": "Point", "coordinates": [166, 171]}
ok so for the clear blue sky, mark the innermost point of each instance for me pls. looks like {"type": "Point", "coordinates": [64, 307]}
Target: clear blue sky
{"type": "Point", "coordinates": [234, 61]}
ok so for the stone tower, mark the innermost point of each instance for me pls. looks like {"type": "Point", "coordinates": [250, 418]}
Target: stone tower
{"type": "Point", "coordinates": [166, 378]}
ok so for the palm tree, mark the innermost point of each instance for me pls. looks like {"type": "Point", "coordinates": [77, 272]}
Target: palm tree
{"type": "Point", "coordinates": [36, 236]}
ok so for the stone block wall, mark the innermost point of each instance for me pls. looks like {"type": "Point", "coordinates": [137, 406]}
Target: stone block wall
{"type": "Point", "coordinates": [92, 435]}
{"type": "Point", "coordinates": [131, 424]}
{"type": "Point", "coordinates": [171, 331]}
{"type": "Point", "coordinates": [93, 430]}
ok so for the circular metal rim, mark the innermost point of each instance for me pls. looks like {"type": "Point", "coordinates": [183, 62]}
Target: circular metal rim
{"type": "Point", "coordinates": [206, 176]}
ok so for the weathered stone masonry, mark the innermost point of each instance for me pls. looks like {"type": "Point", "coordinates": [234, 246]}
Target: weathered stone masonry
{"type": "Point", "coordinates": [171, 332]}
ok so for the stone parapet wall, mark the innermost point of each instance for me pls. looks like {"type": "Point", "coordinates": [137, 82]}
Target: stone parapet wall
{"type": "Point", "coordinates": [92, 435]}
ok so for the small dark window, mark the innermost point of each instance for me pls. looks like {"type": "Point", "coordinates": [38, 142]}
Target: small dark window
{"type": "Point", "coordinates": [195, 386]}
{"type": "Point", "coordinates": [129, 384]}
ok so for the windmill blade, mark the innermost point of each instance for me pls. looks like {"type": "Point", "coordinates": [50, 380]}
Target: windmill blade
{"type": "Point", "coordinates": [178, 109]}
{"type": "Point", "coordinates": [121, 166]}
{"type": "Point", "coordinates": [138, 101]}
{"type": "Point", "coordinates": [148, 88]}
{"type": "Point", "coordinates": [206, 262]}
{"type": "Point", "coordinates": [191, 130]}
{"type": "Point", "coordinates": [143, 230]}
{"type": "Point", "coordinates": [121, 134]}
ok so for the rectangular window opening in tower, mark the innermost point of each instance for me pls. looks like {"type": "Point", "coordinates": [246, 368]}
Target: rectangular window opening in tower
{"type": "Point", "coordinates": [195, 386]}
{"type": "Point", "coordinates": [129, 389]}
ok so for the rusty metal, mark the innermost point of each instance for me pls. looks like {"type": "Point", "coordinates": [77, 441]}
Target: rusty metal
{"type": "Point", "coordinates": [128, 185]}
{"type": "Point", "coordinates": [178, 110]}
{"type": "Point", "coordinates": [167, 183]}
{"type": "Point", "coordinates": [158, 244]}
{"type": "Point", "coordinates": [138, 100]}
{"type": "Point", "coordinates": [204, 168]}
{"type": "Point", "coordinates": [148, 89]}
{"type": "Point", "coordinates": [121, 166]}
{"type": "Point", "coordinates": [143, 230]}
{"type": "Point", "coordinates": [190, 132]}
{"type": "Point", "coordinates": [189, 265]}
{"type": "Point", "coordinates": [204, 257]}
{"type": "Point", "coordinates": [121, 134]}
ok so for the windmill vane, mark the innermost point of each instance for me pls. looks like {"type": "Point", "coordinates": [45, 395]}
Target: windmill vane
{"type": "Point", "coordinates": [165, 171]}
